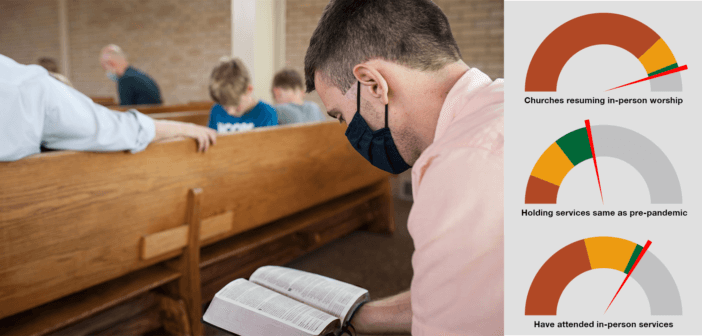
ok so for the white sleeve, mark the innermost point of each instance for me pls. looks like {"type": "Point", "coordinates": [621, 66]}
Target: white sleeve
{"type": "Point", "coordinates": [74, 122]}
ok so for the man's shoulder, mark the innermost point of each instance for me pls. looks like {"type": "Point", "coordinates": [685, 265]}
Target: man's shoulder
{"type": "Point", "coordinates": [135, 75]}
{"type": "Point", "coordinates": [471, 139]}
{"type": "Point", "coordinates": [128, 79]}
{"type": "Point", "coordinates": [477, 117]}
{"type": "Point", "coordinates": [129, 73]}
{"type": "Point", "coordinates": [484, 131]}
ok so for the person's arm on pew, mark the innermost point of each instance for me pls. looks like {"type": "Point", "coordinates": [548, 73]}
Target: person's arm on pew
{"type": "Point", "coordinates": [389, 316]}
{"type": "Point", "coordinates": [166, 129]}
{"type": "Point", "coordinates": [38, 111]}
{"type": "Point", "coordinates": [81, 124]}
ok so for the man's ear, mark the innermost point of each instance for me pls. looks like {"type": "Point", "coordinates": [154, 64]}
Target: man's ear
{"type": "Point", "coordinates": [370, 77]}
{"type": "Point", "coordinates": [249, 89]}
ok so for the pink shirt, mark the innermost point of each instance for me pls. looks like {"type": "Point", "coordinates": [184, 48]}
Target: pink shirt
{"type": "Point", "coordinates": [457, 218]}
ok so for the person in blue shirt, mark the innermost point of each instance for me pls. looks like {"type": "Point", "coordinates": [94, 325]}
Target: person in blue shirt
{"type": "Point", "coordinates": [237, 109]}
{"type": "Point", "coordinates": [134, 86]}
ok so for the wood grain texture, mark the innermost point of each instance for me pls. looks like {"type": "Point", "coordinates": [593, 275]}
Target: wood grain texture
{"type": "Point", "coordinates": [174, 316]}
{"type": "Point", "coordinates": [383, 213]}
{"type": "Point", "coordinates": [216, 225]}
{"type": "Point", "coordinates": [276, 243]}
{"type": "Point", "coordinates": [147, 321]}
{"type": "Point", "coordinates": [148, 109]}
{"type": "Point", "coordinates": [118, 315]}
{"type": "Point", "coordinates": [76, 307]}
{"type": "Point", "coordinates": [189, 266]}
{"type": "Point", "coordinates": [239, 257]}
{"type": "Point", "coordinates": [254, 239]}
{"type": "Point", "coordinates": [284, 240]}
{"type": "Point", "coordinates": [194, 117]}
{"type": "Point", "coordinates": [104, 101]}
{"type": "Point", "coordinates": [163, 242]}
{"type": "Point", "coordinates": [72, 220]}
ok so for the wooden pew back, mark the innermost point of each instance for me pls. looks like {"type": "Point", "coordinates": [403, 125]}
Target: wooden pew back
{"type": "Point", "coordinates": [148, 109]}
{"type": "Point", "coordinates": [195, 117]}
{"type": "Point", "coordinates": [104, 101]}
{"type": "Point", "coordinates": [71, 220]}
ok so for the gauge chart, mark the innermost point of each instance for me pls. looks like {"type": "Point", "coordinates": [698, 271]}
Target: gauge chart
{"type": "Point", "coordinates": [589, 143]}
{"type": "Point", "coordinates": [594, 253]}
{"type": "Point", "coordinates": [661, 68]}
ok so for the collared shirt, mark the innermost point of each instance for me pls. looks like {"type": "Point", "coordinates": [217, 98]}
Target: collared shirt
{"type": "Point", "coordinates": [37, 110]}
{"type": "Point", "coordinates": [457, 218]}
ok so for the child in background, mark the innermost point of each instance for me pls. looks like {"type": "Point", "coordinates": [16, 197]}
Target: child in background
{"type": "Point", "coordinates": [236, 109]}
{"type": "Point", "coordinates": [288, 94]}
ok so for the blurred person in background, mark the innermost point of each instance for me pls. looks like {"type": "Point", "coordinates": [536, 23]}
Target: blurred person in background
{"type": "Point", "coordinates": [38, 111]}
{"type": "Point", "coordinates": [134, 86]}
{"type": "Point", "coordinates": [50, 65]}
{"type": "Point", "coordinates": [289, 92]}
{"type": "Point", "coordinates": [236, 108]}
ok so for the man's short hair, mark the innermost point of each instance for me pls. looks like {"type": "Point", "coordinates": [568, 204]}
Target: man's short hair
{"type": "Point", "coordinates": [413, 33]}
{"type": "Point", "coordinates": [48, 64]}
{"type": "Point", "coordinates": [228, 81]}
{"type": "Point", "coordinates": [288, 79]}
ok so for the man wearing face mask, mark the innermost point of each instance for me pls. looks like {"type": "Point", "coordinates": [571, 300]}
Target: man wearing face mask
{"type": "Point", "coordinates": [134, 86]}
{"type": "Point", "coordinates": [392, 70]}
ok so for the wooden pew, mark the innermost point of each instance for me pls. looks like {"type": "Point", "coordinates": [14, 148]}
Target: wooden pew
{"type": "Point", "coordinates": [195, 117]}
{"type": "Point", "coordinates": [104, 101]}
{"type": "Point", "coordinates": [162, 230]}
{"type": "Point", "coordinates": [148, 109]}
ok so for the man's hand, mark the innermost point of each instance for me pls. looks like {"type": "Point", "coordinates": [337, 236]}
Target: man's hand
{"type": "Point", "coordinates": [392, 315]}
{"type": "Point", "coordinates": [166, 129]}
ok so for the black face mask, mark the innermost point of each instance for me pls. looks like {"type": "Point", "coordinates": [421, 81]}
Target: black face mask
{"type": "Point", "coordinates": [377, 147]}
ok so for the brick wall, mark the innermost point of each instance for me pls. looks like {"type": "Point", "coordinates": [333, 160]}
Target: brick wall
{"type": "Point", "coordinates": [26, 40]}
{"type": "Point", "coordinates": [477, 27]}
{"type": "Point", "coordinates": [300, 20]}
{"type": "Point", "coordinates": [176, 42]}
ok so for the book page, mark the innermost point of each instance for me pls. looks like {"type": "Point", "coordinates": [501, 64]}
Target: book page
{"type": "Point", "coordinates": [329, 295]}
{"type": "Point", "coordinates": [264, 301]}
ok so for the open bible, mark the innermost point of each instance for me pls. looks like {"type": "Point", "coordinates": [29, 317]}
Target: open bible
{"type": "Point", "coordinates": [283, 301]}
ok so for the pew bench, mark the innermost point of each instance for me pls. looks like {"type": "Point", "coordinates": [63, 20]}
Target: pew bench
{"type": "Point", "coordinates": [104, 101]}
{"type": "Point", "coordinates": [148, 109]}
{"type": "Point", "coordinates": [194, 117]}
{"type": "Point", "coordinates": [118, 243]}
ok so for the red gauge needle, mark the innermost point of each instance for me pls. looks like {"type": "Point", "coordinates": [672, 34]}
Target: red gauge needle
{"type": "Point", "coordinates": [594, 158]}
{"type": "Point", "coordinates": [643, 251]}
{"type": "Point", "coordinates": [665, 73]}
